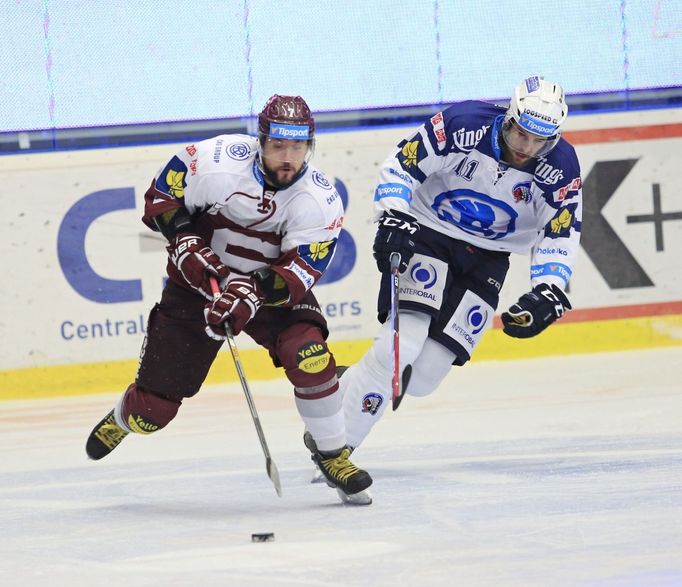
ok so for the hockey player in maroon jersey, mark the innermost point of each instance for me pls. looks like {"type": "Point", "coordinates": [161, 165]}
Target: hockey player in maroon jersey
{"type": "Point", "coordinates": [252, 213]}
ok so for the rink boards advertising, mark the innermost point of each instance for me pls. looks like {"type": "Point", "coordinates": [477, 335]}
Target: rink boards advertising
{"type": "Point", "coordinates": [87, 271]}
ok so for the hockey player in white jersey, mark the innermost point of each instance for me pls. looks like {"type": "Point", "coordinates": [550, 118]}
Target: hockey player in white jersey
{"type": "Point", "coordinates": [475, 183]}
{"type": "Point", "coordinates": [254, 214]}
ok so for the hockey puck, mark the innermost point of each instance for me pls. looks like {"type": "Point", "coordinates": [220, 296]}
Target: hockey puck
{"type": "Point", "coordinates": [265, 537]}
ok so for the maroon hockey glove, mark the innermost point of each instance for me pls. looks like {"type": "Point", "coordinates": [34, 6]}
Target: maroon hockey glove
{"type": "Point", "coordinates": [535, 311]}
{"type": "Point", "coordinates": [395, 234]}
{"type": "Point", "coordinates": [237, 304]}
{"type": "Point", "coordinates": [195, 261]}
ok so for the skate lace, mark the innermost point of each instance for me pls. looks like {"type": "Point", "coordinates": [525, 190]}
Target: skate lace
{"type": "Point", "coordinates": [111, 433]}
{"type": "Point", "coordinates": [340, 466]}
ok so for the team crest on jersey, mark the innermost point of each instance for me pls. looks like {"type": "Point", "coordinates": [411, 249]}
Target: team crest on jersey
{"type": "Point", "coordinates": [321, 180]}
{"type": "Point", "coordinates": [560, 225]}
{"type": "Point", "coordinates": [266, 203]}
{"type": "Point", "coordinates": [476, 213]}
{"type": "Point", "coordinates": [521, 192]}
{"type": "Point", "coordinates": [371, 403]}
{"type": "Point", "coordinates": [238, 151]}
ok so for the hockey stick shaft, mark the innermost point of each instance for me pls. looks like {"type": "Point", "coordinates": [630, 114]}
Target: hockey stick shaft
{"type": "Point", "coordinates": [270, 466]}
{"type": "Point", "coordinates": [395, 326]}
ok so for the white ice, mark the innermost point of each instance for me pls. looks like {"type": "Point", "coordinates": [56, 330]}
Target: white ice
{"type": "Point", "coordinates": [544, 472]}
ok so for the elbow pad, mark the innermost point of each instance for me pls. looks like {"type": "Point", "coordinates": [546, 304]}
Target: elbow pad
{"type": "Point", "coordinates": [173, 222]}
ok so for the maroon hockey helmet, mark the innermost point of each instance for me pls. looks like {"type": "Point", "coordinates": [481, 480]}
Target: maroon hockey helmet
{"type": "Point", "coordinates": [286, 117]}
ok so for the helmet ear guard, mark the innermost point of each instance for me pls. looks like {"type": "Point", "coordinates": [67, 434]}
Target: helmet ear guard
{"type": "Point", "coordinates": [538, 107]}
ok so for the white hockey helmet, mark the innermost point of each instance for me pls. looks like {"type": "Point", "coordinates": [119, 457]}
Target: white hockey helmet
{"type": "Point", "coordinates": [538, 107]}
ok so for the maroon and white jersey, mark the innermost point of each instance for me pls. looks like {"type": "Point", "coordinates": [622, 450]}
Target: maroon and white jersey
{"type": "Point", "coordinates": [293, 231]}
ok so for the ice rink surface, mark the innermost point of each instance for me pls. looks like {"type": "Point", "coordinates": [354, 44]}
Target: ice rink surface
{"type": "Point", "coordinates": [544, 472]}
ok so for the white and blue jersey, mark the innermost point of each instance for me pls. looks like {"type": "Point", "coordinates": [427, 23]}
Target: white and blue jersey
{"type": "Point", "coordinates": [450, 176]}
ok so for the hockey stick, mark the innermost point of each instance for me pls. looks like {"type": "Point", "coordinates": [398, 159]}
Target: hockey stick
{"type": "Point", "coordinates": [395, 326]}
{"type": "Point", "coordinates": [270, 466]}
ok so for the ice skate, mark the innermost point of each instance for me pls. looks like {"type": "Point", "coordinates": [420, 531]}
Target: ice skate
{"type": "Point", "coordinates": [350, 482]}
{"type": "Point", "coordinates": [104, 438]}
{"type": "Point", "coordinates": [310, 444]}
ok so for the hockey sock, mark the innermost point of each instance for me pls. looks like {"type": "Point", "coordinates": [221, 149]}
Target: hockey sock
{"type": "Point", "coordinates": [366, 386]}
{"type": "Point", "coordinates": [430, 368]}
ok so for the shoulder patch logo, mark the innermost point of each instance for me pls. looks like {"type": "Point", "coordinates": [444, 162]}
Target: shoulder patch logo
{"type": "Point", "coordinates": [409, 154]}
{"type": "Point", "coordinates": [176, 183]}
{"type": "Point", "coordinates": [320, 250]}
{"type": "Point", "coordinates": [562, 221]}
{"type": "Point", "coordinates": [317, 255]}
{"type": "Point", "coordinates": [238, 151]}
{"type": "Point", "coordinates": [321, 180]}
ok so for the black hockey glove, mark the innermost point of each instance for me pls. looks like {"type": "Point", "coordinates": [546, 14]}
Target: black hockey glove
{"type": "Point", "coordinates": [395, 234]}
{"type": "Point", "coordinates": [535, 311]}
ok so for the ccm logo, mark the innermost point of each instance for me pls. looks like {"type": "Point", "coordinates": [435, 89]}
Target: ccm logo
{"type": "Point", "coordinates": [399, 224]}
